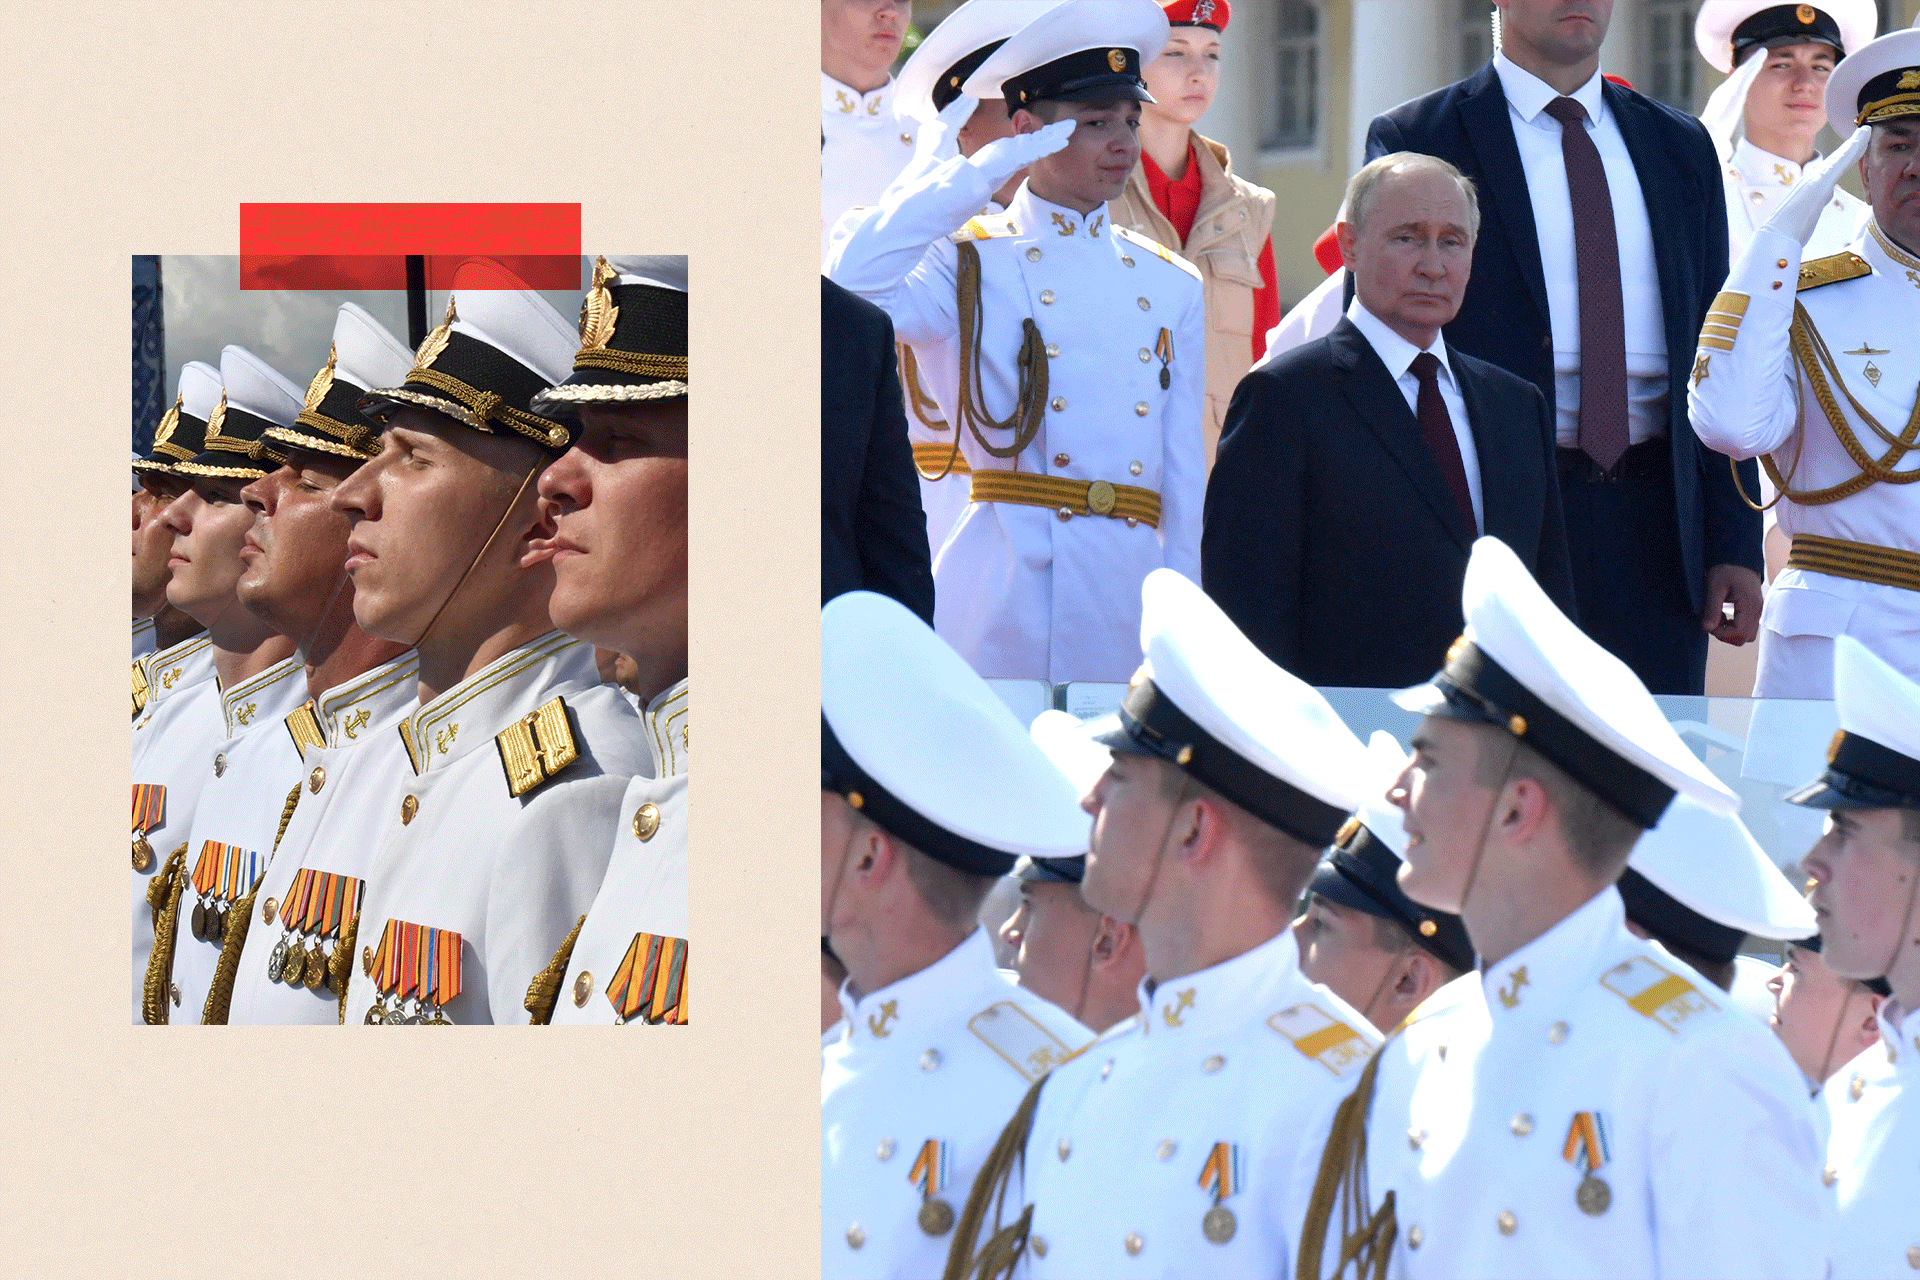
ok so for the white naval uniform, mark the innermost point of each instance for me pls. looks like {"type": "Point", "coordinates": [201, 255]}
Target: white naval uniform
{"type": "Point", "coordinates": [143, 638]}
{"type": "Point", "coordinates": [1755, 398]}
{"type": "Point", "coordinates": [945, 1054]}
{"type": "Point", "coordinates": [248, 775]}
{"type": "Point", "coordinates": [1247, 1052]}
{"type": "Point", "coordinates": [645, 890]}
{"type": "Point", "coordinates": [1708, 1150]}
{"type": "Point", "coordinates": [510, 875]}
{"type": "Point", "coordinates": [1757, 181]}
{"type": "Point", "coordinates": [336, 827]}
{"type": "Point", "coordinates": [1873, 1156]}
{"type": "Point", "coordinates": [864, 142]}
{"type": "Point", "coordinates": [173, 738]}
{"type": "Point", "coordinates": [1021, 592]}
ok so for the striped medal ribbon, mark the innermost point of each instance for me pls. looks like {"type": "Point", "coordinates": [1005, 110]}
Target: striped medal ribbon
{"type": "Point", "coordinates": [441, 975]}
{"type": "Point", "coordinates": [289, 958]}
{"type": "Point", "coordinates": [650, 984]}
{"type": "Point", "coordinates": [381, 972]}
{"type": "Point", "coordinates": [929, 1178]}
{"type": "Point", "coordinates": [149, 806]}
{"type": "Point", "coordinates": [1221, 1176]}
{"type": "Point", "coordinates": [1588, 1150]}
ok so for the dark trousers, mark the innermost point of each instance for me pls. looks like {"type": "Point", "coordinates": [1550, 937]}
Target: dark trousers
{"type": "Point", "coordinates": [1627, 581]}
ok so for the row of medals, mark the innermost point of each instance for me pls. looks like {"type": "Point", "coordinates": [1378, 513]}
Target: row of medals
{"type": "Point", "coordinates": [423, 1015]}
{"type": "Point", "coordinates": [298, 966]}
{"type": "Point", "coordinates": [209, 921]}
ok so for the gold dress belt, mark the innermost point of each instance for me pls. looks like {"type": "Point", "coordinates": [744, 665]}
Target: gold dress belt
{"type": "Point", "coordinates": [1070, 498]}
{"type": "Point", "coordinates": [1861, 561]}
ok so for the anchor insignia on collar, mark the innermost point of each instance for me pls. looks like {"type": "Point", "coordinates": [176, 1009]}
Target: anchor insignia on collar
{"type": "Point", "coordinates": [357, 720]}
{"type": "Point", "coordinates": [1510, 994]}
{"type": "Point", "coordinates": [878, 1026]}
{"type": "Point", "coordinates": [1172, 1012]}
{"type": "Point", "coordinates": [1067, 225]}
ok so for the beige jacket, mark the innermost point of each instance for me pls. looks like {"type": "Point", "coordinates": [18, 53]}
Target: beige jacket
{"type": "Point", "coordinates": [1233, 222]}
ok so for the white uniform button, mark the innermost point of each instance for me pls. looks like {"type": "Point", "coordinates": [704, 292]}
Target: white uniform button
{"type": "Point", "coordinates": [1064, 1147]}
{"type": "Point", "coordinates": [1145, 305]}
{"type": "Point", "coordinates": [1065, 514]}
{"type": "Point", "coordinates": [1133, 468]}
{"type": "Point", "coordinates": [1059, 403]}
{"type": "Point", "coordinates": [1856, 1086]}
{"type": "Point", "coordinates": [1126, 259]}
{"type": "Point", "coordinates": [1132, 522]}
{"type": "Point", "coordinates": [1038, 1245]}
{"type": "Point", "coordinates": [1134, 1244]}
{"type": "Point", "coordinates": [1913, 1256]}
{"type": "Point", "coordinates": [1046, 297]}
{"type": "Point", "coordinates": [1415, 1137]}
{"type": "Point", "coordinates": [885, 1150]}
{"type": "Point", "coordinates": [855, 1236]}
{"type": "Point", "coordinates": [1507, 1223]}
{"type": "Point", "coordinates": [1828, 1176]}
{"type": "Point", "coordinates": [1061, 459]}
{"type": "Point", "coordinates": [1141, 408]}
{"type": "Point", "coordinates": [1756, 197]}
{"type": "Point", "coordinates": [1033, 253]}
{"type": "Point", "coordinates": [1415, 1236]}
{"type": "Point", "coordinates": [1521, 1124]}
{"type": "Point", "coordinates": [1106, 1069]}
{"type": "Point", "coordinates": [1213, 1064]}
{"type": "Point", "coordinates": [1053, 350]}
{"type": "Point", "coordinates": [1557, 1033]}
{"type": "Point", "coordinates": [1145, 355]}
{"type": "Point", "coordinates": [930, 1060]}
{"type": "Point", "coordinates": [1166, 1149]}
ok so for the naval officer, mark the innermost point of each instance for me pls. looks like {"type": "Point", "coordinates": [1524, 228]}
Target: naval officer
{"type": "Point", "coordinates": [864, 138]}
{"type": "Point", "coordinates": [1814, 366]}
{"type": "Point", "coordinates": [1866, 876]}
{"type": "Point", "coordinates": [518, 754]}
{"type": "Point", "coordinates": [929, 790]}
{"type": "Point", "coordinates": [618, 501]}
{"type": "Point", "coordinates": [1582, 1102]}
{"type": "Point", "coordinates": [1165, 1148]}
{"type": "Point", "coordinates": [1079, 351]}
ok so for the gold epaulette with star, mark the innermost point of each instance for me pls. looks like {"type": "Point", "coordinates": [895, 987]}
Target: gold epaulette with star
{"type": "Point", "coordinates": [1019, 1039]}
{"type": "Point", "coordinates": [986, 226]}
{"type": "Point", "coordinates": [1322, 1037]}
{"type": "Point", "coordinates": [536, 747]}
{"type": "Point", "coordinates": [304, 726]}
{"type": "Point", "coordinates": [1655, 992]}
{"type": "Point", "coordinates": [1157, 249]}
{"type": "Point", "coordinates": [1832, 270]}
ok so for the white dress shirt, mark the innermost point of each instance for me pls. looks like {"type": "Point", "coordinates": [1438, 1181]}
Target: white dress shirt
{"type": "Point", "coordinates": [864, 142]}
{"type": "Point", "coordinates": [1538, 136]}
{"type": "Point", "coordinates": [1397, 354]}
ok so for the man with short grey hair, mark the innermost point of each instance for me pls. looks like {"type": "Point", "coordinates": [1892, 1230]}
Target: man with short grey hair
{"type": "Point", "coordinates": [1337, 538]}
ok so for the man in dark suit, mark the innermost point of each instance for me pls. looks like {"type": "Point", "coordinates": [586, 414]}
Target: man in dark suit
{"type": "Point", "coordinates": [1356, 471]}
{"type": "Point", "coordinates": [873, 534]}
{"type": "Point", "coordinates": [1604, 241]}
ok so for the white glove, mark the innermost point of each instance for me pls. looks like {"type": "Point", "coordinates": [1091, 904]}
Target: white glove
{"type": "Point", "coordinates": [1800, 212]}
{"type": "Point", "coordinates": [1004, 157]}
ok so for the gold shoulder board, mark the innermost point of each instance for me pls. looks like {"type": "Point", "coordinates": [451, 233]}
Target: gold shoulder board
{"type": "Point", "coordinates": [1020, 1041]}
{"type": "Point", "coordinates": [305, 728]}
{"type": "Point", "coordinates": [140, 690]}
{"type": "Point", "coordinates": [536, 747]}
{"type": "Point", "coordinates": [985, 226]}
{"type": "Point", "coordinates": [1657, 993]}
{"type": "Point", "coordinates": [1158, 250]}
{"type": "Point", "coordinates": [1831, 270]}
{"type": "Point", "coordinates": [1322, 1037]}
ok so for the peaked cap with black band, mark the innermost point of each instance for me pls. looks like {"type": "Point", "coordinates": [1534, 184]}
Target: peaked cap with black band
{"type": "Point", "coordinates": [1074, 52]}
{"type": "Point", "coordinates": [1524, 668]}
{"type": "Point", "coordinates": [363, 355]}
{"type": "Point", "coordinates": [1363, 869]}
{"type": "Point", "coordinates": [1702, 880]}
{"type": "Point", "coordinates": [182, 432]}
{"type": "Point", "coordinates": [1725, 30]}
{"type": "Point", "coordinates": [1880, 81]}
{"type": "Point", "coordinates": [1873, 761]}
{"type": "Point", "coordinates": [1209, 702]}
{"type": "Point", "coordinates": [1075, 753]}
{"type": "Point", "coordinates": [255, 397]}
{"type": "Point", "coordinates": [633, 337]}
{"type": "Point", "coordinates": [918, 743]}
{"type": "Point", "coordinates": [939, 69]}
{"type": "Point", "coordinates": [500, 345]}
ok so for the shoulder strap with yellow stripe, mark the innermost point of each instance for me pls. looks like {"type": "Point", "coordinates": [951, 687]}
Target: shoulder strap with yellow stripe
{"type": "Point", "coordinates": [535, 748]}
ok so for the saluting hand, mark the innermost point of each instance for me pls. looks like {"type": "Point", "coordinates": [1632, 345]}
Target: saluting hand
{"type": "Point", "coordinates": [1003, 157]}
{"type": "Point", "coordinates": [1800, 212]}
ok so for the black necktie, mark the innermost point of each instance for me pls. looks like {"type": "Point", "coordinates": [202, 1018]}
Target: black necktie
{"type": "Point", "coordinates": [1437, 427]}
{"type": "Point", "coordinates": [1596, 253]}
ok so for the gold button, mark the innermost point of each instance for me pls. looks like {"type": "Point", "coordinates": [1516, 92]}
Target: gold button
{"type": "Point", "coordinates": [366, 961]}
{"type": "Point", "coordinates": [1415, 1137]}
{"type": "Point", "coordinates": [267, 909]}
{"type": "Point", "coordinates": [1039, 1244]}
{"type": "Point", "coordinates": [1046, 297]}
{"type": "Point", "coordinates": [1065, 1147]}
{"type": "Point", "coordinates": [1033, 253]}
{"type": "Point", "coordinates": [1124, 258]}
{"type": "Point", "coordinates": [1145, 305]}
{"type": "Point", "coordinates": [930, 1060]}
{"type": "Point", "coordinates": [1781, 263]}
{"type": "Point", "coordinates": [1145, 355]}
{"type": "Point", "coordinates": [1776, 284]}
{"type": "Point", "coordinates": [646, 821]}
{"type": "Point", "coordinates": [1856, 1087]}
{"type": "Point", "coordinates": [582, 988]}
{"type": "Point", "coordinates": [1213, 1064]}
{"type": "Point", "coordinates": [1059, 403]}
{"type": "Point", "coordinates": [1828, 1176]}
{"type": "Point", "coordinates": [855, 1236]}
{"type": "Point", "coordinates": [1134, 1244]}
{"type": "Point", "coordinates": [1065, 514]}
{"type": "Point", "coordinates": [1415, 1236]}
{"type": "Point", "coordinates": [906, 139]}
{"type": "Point", "coordinates": [1134, 468]}
{"type": "Point", "coordinates": [409, 807]}
{"type": "Point", "coordinates": [317, 779]}
{"type": "Point", "coordinates": [1141, 408]}
{"type": "Point", "coordinates": [885, 1149]}
{"type": "Point", "coordinates": [1061, 459]}
{"type": "Point", "coordinates": [1106, 1069]}
{"type": "Point", "coordinates": [1521, 1124]}
{"type": "Point", "coordinates": [1166, 1149]}
{"type": "Point", "coordinates": [1507, 1223]}
{"type": "Point", "coordinates": [1053, 350]}
{"type": "Point", "coordinates": [1557, 1033]}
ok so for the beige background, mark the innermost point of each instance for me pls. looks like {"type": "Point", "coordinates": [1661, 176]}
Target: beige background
{"type": "Point", "coordinates": [289, 1152]}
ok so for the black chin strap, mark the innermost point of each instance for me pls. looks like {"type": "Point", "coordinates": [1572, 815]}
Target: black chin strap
{"type": "Point", "coordinates": [473, 564]}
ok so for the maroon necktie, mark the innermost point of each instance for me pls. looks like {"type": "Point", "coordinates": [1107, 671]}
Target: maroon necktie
{"type": "Point", "coordinates": [1437, 427]}
{"type": "Point", "coordinates": [1596, 254]}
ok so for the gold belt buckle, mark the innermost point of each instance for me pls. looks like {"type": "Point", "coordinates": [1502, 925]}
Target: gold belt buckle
{"type": "Point", "coordinates": [1100, 498]}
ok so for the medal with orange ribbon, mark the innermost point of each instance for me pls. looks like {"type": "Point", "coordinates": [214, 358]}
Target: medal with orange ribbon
{"type": "Point", "coordinates": [929, 1176]}
{"type": "Point", "coordinates": [1588, 1150]}
{"type": "Point", "coordinates": [149, 804]}
{"type": "Point", "coordinates": [1221, 1176]}
{"type": "Point", "coordinates": [650, 983]}
{"type": "Point", "coordinates": [419, 964]}
{"type": "Point", "coordinates": [222, 874]}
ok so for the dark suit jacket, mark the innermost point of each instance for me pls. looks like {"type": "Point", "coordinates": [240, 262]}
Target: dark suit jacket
{"type": "Point", "coordinates": [1504, 316]}
{"type": "Point", "coordinates": [1331, 539]}
{"type": "Point", "coordinates": [873, 534]}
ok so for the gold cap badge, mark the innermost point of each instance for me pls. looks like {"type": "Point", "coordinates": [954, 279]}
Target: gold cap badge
{"type": "Point", "coordinates": [322, 381]}
{"type": "Point", "coordinates": [597, 312]}
{"type": "Point", "coordinates": [1117, 59]}
{"type": "Point", "coordinates": [1805, 14]}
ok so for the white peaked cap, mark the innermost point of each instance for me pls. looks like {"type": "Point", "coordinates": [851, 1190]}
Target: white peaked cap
{"type": "Point", "coordinates": [1710, 864]}
{"type": "Point", "coordinates": [1713, 26]}
{"type": "Point", "coordinates": [660, 270]}
{"type": "Point", "coordinates": [929, 750]}
{"type": "Point", "coordinates": [1386, 760]}
{"type": "Point", "coordinates": [365, 354]}
{"type": "Point", "coordinates": [1873, 761]}
{"type": "Point", "coordinates": [256, 387]}
{"type": "Point", "coordinates": [199, 389]}
{"type": "Point", "coordinates": [1209, 701]}
{"type": "Point", "coordinates": [1522, 665]}
{"type": "Point", "coordinates": [1071, 747]}
{"type": "Point", "coordinates": [496, 307]}
{"type": "Point", "coordinates": [1897, 50]}
{"type": "Point", "coordinates": [968, 29]}
{"type": "Point", "coordinates": [1139, 25]}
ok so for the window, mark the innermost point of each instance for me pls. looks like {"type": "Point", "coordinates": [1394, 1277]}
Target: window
{"type": "Point", "coordinates": [1474, 24]}
{"type": "Point", "coordinates": [1670, 55]}
{"type": "Point", "coordinates": [1290, 98]}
